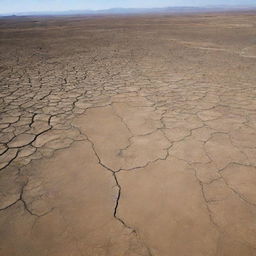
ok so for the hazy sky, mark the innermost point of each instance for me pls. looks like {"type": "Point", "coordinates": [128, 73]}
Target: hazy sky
{"type": "Point", "coordinates": [12, 6]}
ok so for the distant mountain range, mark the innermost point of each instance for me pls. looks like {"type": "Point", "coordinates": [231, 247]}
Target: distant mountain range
{"type": "Point", "coordinates": [121, 11]}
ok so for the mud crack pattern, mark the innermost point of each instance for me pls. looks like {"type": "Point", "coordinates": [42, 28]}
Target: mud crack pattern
{"type": "Point", "coordinates": [128, 136]}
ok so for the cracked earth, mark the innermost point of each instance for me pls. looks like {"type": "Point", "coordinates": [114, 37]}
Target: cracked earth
{"type": "Point", "coordinates": [128, 136]}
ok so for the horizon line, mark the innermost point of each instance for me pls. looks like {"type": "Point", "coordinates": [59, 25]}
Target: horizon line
{"type": "Point", "coordinates": [100, 11]}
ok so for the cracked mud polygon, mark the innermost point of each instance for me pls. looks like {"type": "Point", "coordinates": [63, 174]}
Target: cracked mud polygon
{"type": "Point", "coordinates": [128, 135]}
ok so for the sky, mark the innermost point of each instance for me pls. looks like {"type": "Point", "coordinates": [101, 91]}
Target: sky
{"type": "Point", "coordinates": [15, 6]}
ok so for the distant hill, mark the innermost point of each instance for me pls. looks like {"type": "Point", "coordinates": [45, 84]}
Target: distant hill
{"type": "Point", "coordinates": [137, 11]}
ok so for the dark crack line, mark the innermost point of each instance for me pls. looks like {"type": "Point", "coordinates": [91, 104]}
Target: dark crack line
{"type": "Point", "coordinates": [117, 185]}
{"type": "Point", "coordinates": [117, 204]}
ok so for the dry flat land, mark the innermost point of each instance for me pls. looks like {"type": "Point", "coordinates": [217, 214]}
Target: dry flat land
{"type": "Point", "coordinates": [128, 136]}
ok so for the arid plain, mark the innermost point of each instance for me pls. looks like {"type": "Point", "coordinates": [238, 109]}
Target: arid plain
{"type": "Point", "coordinates": [128, 136]}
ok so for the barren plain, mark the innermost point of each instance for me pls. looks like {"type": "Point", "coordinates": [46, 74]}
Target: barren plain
{"type": "Point", "coordinates": [128, 135]}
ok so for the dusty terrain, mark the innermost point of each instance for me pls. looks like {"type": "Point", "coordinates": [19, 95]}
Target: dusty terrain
{"type": "Point", "coordinates": [128, 136]}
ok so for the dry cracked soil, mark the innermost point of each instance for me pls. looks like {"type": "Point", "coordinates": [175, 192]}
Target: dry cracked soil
{"type": "Point", "coordinates": [128, 136]}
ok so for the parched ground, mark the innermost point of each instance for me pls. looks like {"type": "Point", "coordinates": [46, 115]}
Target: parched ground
{"type": "Point", "coordinates": [128, 136]}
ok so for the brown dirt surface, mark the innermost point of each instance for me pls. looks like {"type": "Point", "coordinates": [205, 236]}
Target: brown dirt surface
{"type": "Point", "coordinates": [128, 135]}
